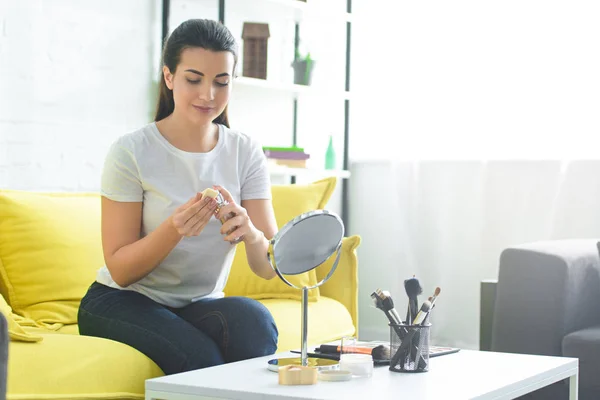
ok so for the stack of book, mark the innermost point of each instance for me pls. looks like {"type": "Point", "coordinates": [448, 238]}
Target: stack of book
{"type": "Point", "coordinates": [293, 157]}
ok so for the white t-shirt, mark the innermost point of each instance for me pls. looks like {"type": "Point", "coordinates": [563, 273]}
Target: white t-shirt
{"type": "Point", "coordinates": [144, 166]}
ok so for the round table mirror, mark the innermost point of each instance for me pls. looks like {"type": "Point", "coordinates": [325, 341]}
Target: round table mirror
{"type": "Point", "coordinates": [302, 245]}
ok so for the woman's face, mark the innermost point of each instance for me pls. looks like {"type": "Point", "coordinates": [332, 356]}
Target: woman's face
{"type": "Point", "coordinates": [201, 84]}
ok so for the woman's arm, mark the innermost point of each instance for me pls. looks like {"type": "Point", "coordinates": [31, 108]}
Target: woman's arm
{"type": "Point", "coordinates": [255, 222]}
{"type": "Point", "coordinates": [129, 258]}
{"type": "Point", "coordinates": [262, 216]}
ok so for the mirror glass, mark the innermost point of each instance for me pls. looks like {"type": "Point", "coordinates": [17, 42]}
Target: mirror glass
{"type": "Point", "coordinates": [307, 242]}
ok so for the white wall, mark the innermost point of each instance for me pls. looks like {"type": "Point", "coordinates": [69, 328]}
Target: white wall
{"type": "Point", "coordinates": [73, 76]}
{"type": "Point", "coordinates": [472, 79]}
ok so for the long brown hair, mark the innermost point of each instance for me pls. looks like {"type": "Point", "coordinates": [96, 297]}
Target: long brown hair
{"type": "Point", "coordinates": [205, 33]}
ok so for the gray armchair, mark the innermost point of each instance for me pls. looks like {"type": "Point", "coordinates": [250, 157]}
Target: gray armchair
{"type": "Point", "coordinates": [546, 301]}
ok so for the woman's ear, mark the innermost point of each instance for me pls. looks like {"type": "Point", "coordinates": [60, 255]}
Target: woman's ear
{"type": "Point", "coordinates": [168, 77]}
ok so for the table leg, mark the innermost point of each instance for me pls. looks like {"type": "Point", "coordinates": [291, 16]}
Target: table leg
{"type": "Point", "coordinates": [574, 386]}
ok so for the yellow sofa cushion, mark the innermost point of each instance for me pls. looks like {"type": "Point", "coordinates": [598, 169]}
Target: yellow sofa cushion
{"type": "Point", "coordinates": [343, 285]}
{"type": "Point", "coordinates": [70, 329]}
{"type": "Point", "coordinates": [289, 201]}
{"type": "Point", "coordinates": [15, 330]}
{"type": "Point", "coordinates": [50, 249]}
{"type": "Point", "coordinates": [77, 367]}
{"type": "Point", "coordinates": [328, 320]}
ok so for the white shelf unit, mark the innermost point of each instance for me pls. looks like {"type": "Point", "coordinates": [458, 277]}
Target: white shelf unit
{"type": "Point", "coordinates": [309, 9]}
{"type": "Point", "coordinates": [296, 90]}
{"type": "Point", "coordinates": [281, 175]}
{"type": "Point", "coordinates": [302, 11]}
{"type": "Point", "coordinates": [279, 171]}
{"type": "Point", "coordinates": [320, 12]}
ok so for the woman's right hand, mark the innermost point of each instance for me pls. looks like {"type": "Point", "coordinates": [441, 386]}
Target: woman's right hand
{"type": "Point", "coordinates": [190, 218]}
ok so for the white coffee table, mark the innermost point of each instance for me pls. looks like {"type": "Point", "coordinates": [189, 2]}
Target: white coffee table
{"type": "Point", "coordinates": [463, 375]}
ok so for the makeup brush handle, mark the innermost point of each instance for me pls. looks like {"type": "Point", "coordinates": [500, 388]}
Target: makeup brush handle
{"type": "Point", "coordinates": [414, 307]}
{"type": "Point", "coordinates": [402, 349]}
{"type": "Point", "coordinates": [409, 347]}
{"type": "Point", "coordinates": [335, 357]}
{"type": "Point", "coordinates": [421, 317]}
{"type": "Point", "coordinates": [333, 349]}
{"type": "Point", "coordinates": [329, 348]}
{"type": "Point", "coordinates": [401, 332]}
{"type": "Point", "coordinates": [416, 351]}
{"type": "Point", "coordinates": [395, 315]}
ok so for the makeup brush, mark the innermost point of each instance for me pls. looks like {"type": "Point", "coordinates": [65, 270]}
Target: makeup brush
{"type": "Point", "coordinates": [385, 304]}
{"type": "Point", "coordinates": [388, 303]}
{"type": "Point", "coordinates": [423, 312]}
{"type": "Point", "coordinates": [379, 299]}
{"type": "Point", "coordinates": [380, 352]}
{"type": "Point", "coordinates": [434, 297]}
{"type": "Point", "coordinates": [413, 290]}
{"type": "Point", "coordinates": [334, 357]}
{"type": "Point", "coordinates": [423, 317]}
{"type": "Point", "coordinates": [432, 300]}
{"type": "Point", "coordinates": [405, 348]}
{"type": "Point", "coordinates": [410, 346]}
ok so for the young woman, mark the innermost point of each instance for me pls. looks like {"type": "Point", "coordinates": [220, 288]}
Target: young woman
{"type": "Point", "coordinates": [167, 254]}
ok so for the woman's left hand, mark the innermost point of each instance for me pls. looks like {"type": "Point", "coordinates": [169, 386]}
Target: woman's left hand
{"type": "Point", "coordinates": [240, 224]}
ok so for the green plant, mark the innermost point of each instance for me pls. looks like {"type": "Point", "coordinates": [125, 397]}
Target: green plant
{"type": "Point", "coordinates": [299, 58]}
{"type": "Point", "coordinates": [305, 62]}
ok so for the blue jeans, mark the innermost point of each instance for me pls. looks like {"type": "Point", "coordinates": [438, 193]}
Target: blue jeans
{"type": "Point", "coordinates": [203, 334]}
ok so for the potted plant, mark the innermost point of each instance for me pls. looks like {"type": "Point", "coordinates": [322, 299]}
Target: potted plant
{"type": "Point", "coordinates": [303, 68]}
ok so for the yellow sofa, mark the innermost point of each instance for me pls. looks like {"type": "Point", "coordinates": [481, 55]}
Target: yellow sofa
{"type": "Point", "coordinates": [50, 249]}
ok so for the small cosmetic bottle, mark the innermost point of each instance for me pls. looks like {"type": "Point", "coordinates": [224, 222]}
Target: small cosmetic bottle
{"type": "Point", "coordinates": [221, 202]}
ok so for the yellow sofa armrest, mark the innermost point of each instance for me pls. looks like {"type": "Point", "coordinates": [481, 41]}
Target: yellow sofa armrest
{"type": "Point", "coordinates": [343, 284]}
